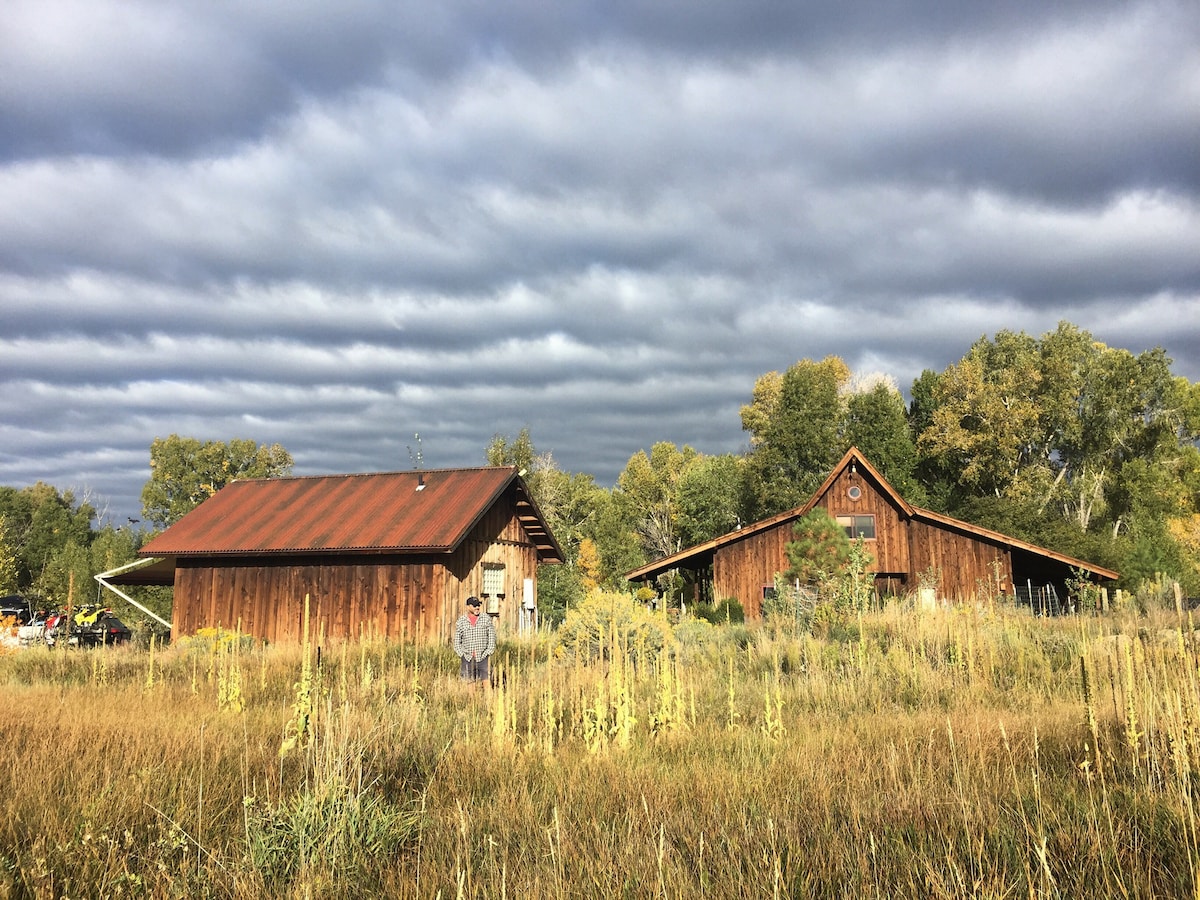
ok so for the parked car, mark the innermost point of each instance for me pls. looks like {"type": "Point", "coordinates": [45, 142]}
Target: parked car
{"type": "Point", "coordinates": [32, 632]}
{"type": "Point", "coordinates": [90, 626]}
{"type": "Point", "coordinates": [107, 629]}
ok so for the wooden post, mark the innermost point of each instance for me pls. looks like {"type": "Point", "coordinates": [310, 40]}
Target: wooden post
{"type": "Point", "coordinates": [1104, 599]}
{"type": "Point", "coordinates": [1178, 600]}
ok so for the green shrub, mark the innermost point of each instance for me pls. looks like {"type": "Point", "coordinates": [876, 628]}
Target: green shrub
{"type": "Point", "coordinates": [607, 624]}
{"type": "Point", "coordinates": [725, 612]}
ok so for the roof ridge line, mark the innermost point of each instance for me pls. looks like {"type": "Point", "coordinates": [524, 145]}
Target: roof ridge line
{"type": "Point", "coordinates": [312, 476]}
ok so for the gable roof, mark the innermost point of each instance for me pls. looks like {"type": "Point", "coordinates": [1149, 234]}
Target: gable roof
{"type": "Point", "coordinates": [419, 511]}
{"type": "Point", "coordinates": [701, 554]}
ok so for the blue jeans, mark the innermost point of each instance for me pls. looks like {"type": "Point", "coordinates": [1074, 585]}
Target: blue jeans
{"type": "Point", "coordinates": [474, 669]}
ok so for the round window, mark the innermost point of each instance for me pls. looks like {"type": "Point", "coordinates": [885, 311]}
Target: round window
{"type": "Point", "coordinates": [855, 492]}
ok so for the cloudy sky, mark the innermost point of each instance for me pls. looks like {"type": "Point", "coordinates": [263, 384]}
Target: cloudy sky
{"type": "Point", "coordinates": [339, 225]}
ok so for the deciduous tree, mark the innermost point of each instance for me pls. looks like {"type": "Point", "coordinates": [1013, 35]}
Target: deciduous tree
{"type": "Point", "coordinates": [1066, 429]}
{"type": "Point", "coordinates": [648, 492]}
{"type": "Point", "coordinates": [519, 452]}
{"type": "Point", "coordinates": [8, 561]}
{"type": "Point", "coordinates": [708, 496]}
{"type": "Point", "coordinates": [186, 471]}
{"type": "Point", "coordinates": [986, 415]}
{"type": "Point", "coordinates": [876, 423]}
{"type": "Point", "coordinates": [795, 428]}
{"type": "Point", "coordinates": [40, 523]}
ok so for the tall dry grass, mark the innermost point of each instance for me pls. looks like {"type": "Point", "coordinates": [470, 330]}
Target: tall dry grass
{"type": "Point", "coordinates": [960, 753]}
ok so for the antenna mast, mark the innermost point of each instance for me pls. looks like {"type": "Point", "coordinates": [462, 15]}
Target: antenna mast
{"type": "Point", "coordinates": [416, 459]}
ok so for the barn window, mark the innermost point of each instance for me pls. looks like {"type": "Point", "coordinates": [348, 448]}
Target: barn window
{"type": "Point", "coordinates": [858, 526]}
{"type": "Point", "coordinates": [855, 492]}
{"type": "Point", "coordinates": [493, 579]}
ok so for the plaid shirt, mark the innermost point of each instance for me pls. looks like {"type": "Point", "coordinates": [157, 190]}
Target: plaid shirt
{"type": "Point", "coordinates": [476, 641]}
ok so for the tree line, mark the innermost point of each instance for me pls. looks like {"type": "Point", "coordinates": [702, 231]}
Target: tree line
{"type": "Point", "coordinates": [50, 549]}
{"type": "Point", "coordinates": [1058, 440]}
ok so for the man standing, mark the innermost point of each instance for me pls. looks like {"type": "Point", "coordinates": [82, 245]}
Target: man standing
{"type": "Point", "coordinates": [474, 641]}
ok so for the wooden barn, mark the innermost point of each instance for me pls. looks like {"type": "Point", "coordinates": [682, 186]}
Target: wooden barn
{"type": "Point", "coordinates": [906, 542]}
{"type": "Point", "coordinates": [389, 554]}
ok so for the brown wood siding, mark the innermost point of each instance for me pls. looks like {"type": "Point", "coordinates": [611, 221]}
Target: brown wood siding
{"type": "Point", "coordinates": [902, 549]}
{"type": "Point", "coordinates": [890, 548]}
{"type": "Point", "coordinates": [498, 539]}
{"type": "Point", "coordinates": [963, 562]}
{"type": "Point", "coordinates": [389, 596]}
{"type": "Point", "coordinates": [409, 597]}
{"type": "Point", "coordinates": [969, 561]}
{"type": "Point", "coordinates": [742, 568]}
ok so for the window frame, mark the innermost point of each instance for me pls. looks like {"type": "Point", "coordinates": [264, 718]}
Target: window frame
{"type": "Point", "coordinates": [857, 524]}
{"type": "Point", "coordinates": [493, 578]}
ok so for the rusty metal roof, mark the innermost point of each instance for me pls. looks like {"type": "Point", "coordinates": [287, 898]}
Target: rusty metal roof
{"type": "Point", "coordinates": [418, 511]}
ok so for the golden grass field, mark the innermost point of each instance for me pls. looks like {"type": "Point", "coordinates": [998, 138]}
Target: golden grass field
{"type": "Point", "coordinates": [957, 753]}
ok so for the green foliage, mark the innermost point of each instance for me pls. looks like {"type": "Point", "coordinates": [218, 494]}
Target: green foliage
{"type": "Point", "coordinates": [924, 401]}
{"type": "Point", "coordinates": [724, 612]}
{"type": "Point", "coordinates": [832, 621]}
{"type": "Point", "coordinates": [825, 606]}
{"type": "Point", "coordinates": [821, 549]}
{"type": "Point", "coordinates": [185, 471]}
{"type": "Point", "coordinates": [9, 573]}
{"type": "Point", "coordinates": [1061, 423]}
{"type": "Point", "coordinates": [1067, 443]}
{"type": "Point", "coordinates": [877, 424]}
{"type": "Point", "coordinates": [569, 502]}
{"type": "Point", "coordinates": [986, 414]}
{"type": "Point", "coordinates": [67, 577]}
{"type": "Point", "coordinates": [39, 524]}
{"type": "Point", "coordinates": [559, 587]}
{"type": "Point", "coordinates": [73, 565]}
{"type": "Point", "coordinates": [614, 531]}
{"type": "Point", "coordinates": [795, 422]}
{"type": "Point", "coordinates": [606, 624]}
{"type": "Point", "coordinates": [802, 421]}
{"type": "Point", "coordinates": [52, 552]}
{"type": "Point", "coordinates": [854, 587]}
{"type": "Point", "coordinates": [519, 452]}
{"type": "Point", "coordinates": [573, 507]}
{"type": "Point", "coordinates": [1184, 532]}
{"type": "Point", "coordinates": [709, 498]}
{"type": "Point", "coordinates": [827, 580]}
{"type": "Point", "coordinates": [647, 491]}
{"type": "Point", "coordinates": [1151, 556]}
{"type": "Point", "coordinates": [1084, 592]}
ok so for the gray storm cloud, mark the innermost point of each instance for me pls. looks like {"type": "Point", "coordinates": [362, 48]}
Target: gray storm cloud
{"type": "Point", "coordinates": [336, 227]}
